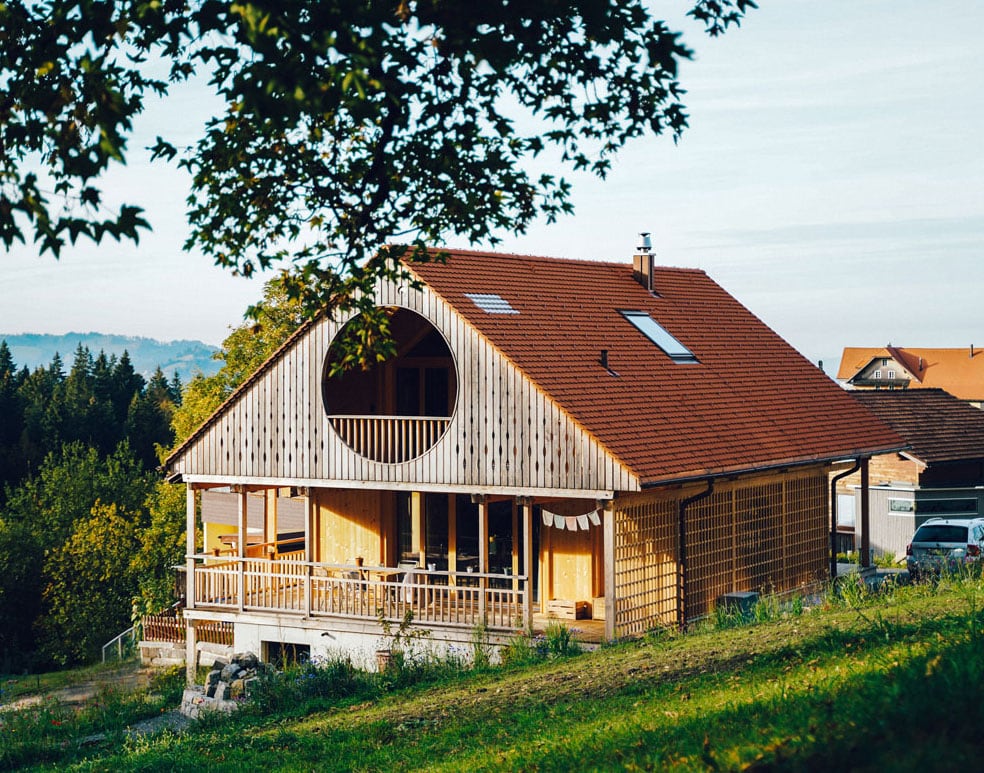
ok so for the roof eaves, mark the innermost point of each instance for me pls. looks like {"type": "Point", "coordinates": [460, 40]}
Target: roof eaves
{"type": "Point", "coordinates": [738, 470]}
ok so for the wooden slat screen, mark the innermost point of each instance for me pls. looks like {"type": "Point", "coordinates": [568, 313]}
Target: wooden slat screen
{"type": "Point", "coordinates": [645, 565]}
{"type": "Point", "coordinates": [767, 536]}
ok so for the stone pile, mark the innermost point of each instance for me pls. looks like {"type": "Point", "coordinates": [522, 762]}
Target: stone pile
{"type": "Point", "coordinates": [226, 685]}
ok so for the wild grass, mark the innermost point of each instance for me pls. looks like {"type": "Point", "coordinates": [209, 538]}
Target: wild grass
{"type": "Point", "coordinates": [54, 732]}
{"type": "Point", "coordinates": [857, 679]}
{"type": "Point", "coordinates": [16, 686]}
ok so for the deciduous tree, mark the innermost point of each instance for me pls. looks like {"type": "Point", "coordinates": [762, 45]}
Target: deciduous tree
{"type": "Point", "coordinates": [89, 586]}
{"type": "Point", "coordinates": [346, 125]}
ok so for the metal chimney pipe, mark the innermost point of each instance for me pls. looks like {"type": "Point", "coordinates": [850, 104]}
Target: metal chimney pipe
{"type": "Point", "coordinates": [643, 262]}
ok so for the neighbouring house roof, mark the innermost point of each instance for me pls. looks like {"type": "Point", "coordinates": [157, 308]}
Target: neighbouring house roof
{"type": "Point", "coordinates": [959, 371]}
{"type": "Point", "coordinates": [938, 426]}
{"type": "Point", "coordinates": [749, 401]}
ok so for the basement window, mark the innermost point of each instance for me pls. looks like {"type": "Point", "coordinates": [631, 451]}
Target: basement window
{"type": "Point", "coordinates": [491, 303]}
{"type": "Point", "coordinates": [655, 332]}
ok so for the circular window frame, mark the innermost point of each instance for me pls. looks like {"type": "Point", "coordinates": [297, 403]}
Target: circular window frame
{"type": "Point", "coordinates": [397, 439]}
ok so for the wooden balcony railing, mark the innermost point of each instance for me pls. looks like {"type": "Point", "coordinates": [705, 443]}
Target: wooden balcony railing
{"type": "Point", "coordinates": [389, 439]}
{"type": "Point", "coordinates": [174, 629]}
{"type": "Point", "coordinates": [457, 599]}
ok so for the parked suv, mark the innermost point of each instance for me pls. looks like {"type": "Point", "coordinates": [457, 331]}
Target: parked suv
{"type": "Point", "coordinates": [945, 544]}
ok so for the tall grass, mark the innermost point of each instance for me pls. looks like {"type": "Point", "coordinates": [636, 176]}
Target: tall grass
{"type": "Point", "coordinates": [854, 679]}
{"type": "Point", "coordinates": [51, 732]}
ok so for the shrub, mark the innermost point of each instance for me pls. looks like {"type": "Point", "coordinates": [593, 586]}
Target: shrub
{"type": "Point", "coordinates": [329, 679]}
{"type": "Point", "coordinates": [557, 640]}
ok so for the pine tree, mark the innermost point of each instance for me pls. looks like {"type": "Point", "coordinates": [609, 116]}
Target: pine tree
{"type": "Point", "coordinates": [11, 420]}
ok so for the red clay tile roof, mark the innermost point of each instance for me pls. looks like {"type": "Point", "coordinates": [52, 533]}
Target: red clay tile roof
{"type": "Point", "coordinates": [959, 371]}
{"type": "Point", "coordinates": [939, 426]}
{"type": "Point", "coordinates": [751, 402]}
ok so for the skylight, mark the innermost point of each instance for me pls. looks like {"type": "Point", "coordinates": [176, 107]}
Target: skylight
{"type": "Point", "coordinates": [650, 328]}
{"type": "Point", "coordinates": [491, 303]}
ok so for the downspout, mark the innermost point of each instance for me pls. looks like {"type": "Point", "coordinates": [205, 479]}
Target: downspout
{"type": "Point", "coordinates": [833, 514]}
{"type": "Point", "coordinates": [682, 562]}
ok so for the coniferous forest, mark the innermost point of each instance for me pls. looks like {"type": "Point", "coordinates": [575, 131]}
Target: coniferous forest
{"type": "Point", "coordinates": [89, 532]}
{"type": "Point", "coordinates": [78, 499]}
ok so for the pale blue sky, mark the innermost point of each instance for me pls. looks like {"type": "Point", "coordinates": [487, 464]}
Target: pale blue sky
{"type": "Point", "coordinates": [832, 180]}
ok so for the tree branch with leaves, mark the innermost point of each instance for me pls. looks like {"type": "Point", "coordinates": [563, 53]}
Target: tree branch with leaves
{"type": "Point", "coordinates": [347, 126]}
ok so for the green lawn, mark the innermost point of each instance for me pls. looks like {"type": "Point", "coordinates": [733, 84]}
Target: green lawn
{"type": "Point", "coordinates": [858, 683]}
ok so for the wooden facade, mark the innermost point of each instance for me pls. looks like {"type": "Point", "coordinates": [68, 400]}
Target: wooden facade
{"type": "Point", "coordinates": [501, 512]}
{"type": "Point", "coordinates": [506, 434]}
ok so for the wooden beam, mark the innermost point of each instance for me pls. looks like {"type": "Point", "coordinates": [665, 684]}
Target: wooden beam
{"type": "Point", "coordinates": [865, 516]}
{"type": "Point", "coordinates": [308, 548]}
{"type": "Point", "coordinates": [417, 537]}
{"type": "Point", "coordinates": [191, 642]}
{"type": "Point", "coordinates": [527, 508]}
{"type": "Point", "coordinates": [261, 482]}
{"type": "Point", "coordinates": [191, 652]}
{"type": "Point", "coordinates": [514, 558]}
{"type": "Point", "coordinates": [270, 529]}
{"type": "Point", "coordinates": [190, 525]}
{"type": "Point", "coordinates": [608, 550]}
{"type": "Point", "coordinates": [241, 546]}
{"type": "Point", "coordinates": [452, 535]}
{"type": "Point", "coordinates": [483, 552]}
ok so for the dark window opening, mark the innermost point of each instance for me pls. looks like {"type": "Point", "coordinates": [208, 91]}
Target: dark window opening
{"type": "Point", "coordinates": [283, 654]}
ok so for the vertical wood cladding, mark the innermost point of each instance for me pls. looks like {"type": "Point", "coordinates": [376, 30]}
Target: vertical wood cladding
{"type": "Point", "coordinates": [505, 431]}
{"type": "Point", "coordinates": [767, 535]}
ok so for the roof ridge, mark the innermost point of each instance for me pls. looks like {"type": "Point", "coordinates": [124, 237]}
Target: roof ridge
{"type": "Point", "coordinates": [589, 262]}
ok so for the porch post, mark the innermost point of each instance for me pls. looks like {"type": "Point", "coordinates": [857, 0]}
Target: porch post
{"type": "Point", "coordinates": [483, 551]}
{"type": "Point", "coordinates": [190, 523]}
{"type": "Point", "coordinates": [191, 652]}
{"type": "Point", "coordinates": [865, 547]}
{"type": "Point", "coordinates": [191, 642]}
{"type": "Point", "coordinates": [608, 550]}
{"type": "Point", "coordinates": [270, 501]}
{"type": "Point", "coordinates": [452, 538]}
{"type": "Point", "coordinates": [241, 544]}
{"type": "Point", "coordinates": [418, 543]}
{"type": "Point", "coordinates": [308, 549]}
{"type": "Point", "coordinates": [526, 503]}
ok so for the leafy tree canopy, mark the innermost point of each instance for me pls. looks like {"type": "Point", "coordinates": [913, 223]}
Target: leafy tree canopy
{"type": "Point", "coordinates": [346, 125]}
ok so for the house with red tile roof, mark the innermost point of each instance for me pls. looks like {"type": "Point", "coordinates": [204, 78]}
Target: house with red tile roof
{"type": "Point", "coordinates": [612, 443]}
{"type": "Point", "coordinates": [959, 371]}
{"type": "Point", "coordinates": [939, 475]}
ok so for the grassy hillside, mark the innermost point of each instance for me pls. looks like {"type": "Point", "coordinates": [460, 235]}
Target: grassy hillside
{"type": "Point", "coordinates": [856, 683]}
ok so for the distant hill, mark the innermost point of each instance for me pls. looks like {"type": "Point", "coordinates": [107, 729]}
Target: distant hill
{"type": "Point", "coordinates": [184, 357]}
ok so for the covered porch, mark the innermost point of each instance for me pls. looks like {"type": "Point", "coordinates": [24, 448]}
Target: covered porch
{"type": "Point", "coordinates": [446, 560]}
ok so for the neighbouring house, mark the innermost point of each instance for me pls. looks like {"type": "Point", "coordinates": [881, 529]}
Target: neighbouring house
{"type": "Point", "coordinates": [940, 474]}
{"type": "Point", "coordinates": [615, 444]}
{"type": "Point", "coordinates": [959, 371]}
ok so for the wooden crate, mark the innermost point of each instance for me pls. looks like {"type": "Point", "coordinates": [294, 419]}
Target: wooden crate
{"type": "Point", "coordinates": [598, 608]}
{"type": "Point", "coordinates": [567, 609]}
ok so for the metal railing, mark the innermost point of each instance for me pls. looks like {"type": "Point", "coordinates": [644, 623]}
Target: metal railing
{"type": "Point", "coordinates": [117, 642]}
